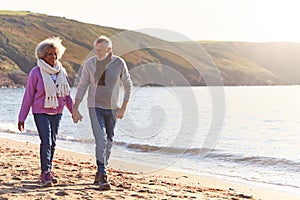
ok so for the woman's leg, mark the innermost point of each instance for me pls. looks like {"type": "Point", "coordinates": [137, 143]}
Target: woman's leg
{"type": "Point", "coordinates": [43, 126]}
{"type": "Point", "coordinates": [54, 124]}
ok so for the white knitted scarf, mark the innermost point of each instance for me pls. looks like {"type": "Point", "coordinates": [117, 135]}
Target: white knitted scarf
{"type": "Point", "coordinates": [53, 90]}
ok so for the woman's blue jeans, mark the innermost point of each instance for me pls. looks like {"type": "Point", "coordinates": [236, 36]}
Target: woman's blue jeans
{"type": "Point", "coordinates": [47, 126]}
{"type": "Point", "coordinates": [103, 123]}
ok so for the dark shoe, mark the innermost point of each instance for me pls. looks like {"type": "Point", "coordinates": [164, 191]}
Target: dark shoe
{"type": "Point", "coordinates": [104, 185]}
{"type": "Point", "coordinates": [97, 178]}
{"type": "Point", "coordinates": [46, 179]}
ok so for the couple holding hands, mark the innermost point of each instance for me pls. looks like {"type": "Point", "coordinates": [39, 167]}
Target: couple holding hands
{"type": "Point", "coordinates": [48, 92]}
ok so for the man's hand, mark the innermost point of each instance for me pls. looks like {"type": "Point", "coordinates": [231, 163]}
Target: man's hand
{"type": "Point", "coordinates": [120, 113]}
{"type": "Point", "coordinates": [21, 126]}
{"type": "Point", "coordinates": [76, 116]}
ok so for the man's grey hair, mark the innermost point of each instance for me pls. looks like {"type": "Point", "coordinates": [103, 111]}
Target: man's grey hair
{"type": "Point", "coordinates": [51, 42]}
{"type": "Point", "coordinates": [104, 39]}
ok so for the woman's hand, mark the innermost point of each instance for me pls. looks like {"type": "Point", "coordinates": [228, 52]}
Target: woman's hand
{"type": "Point", "coordinates": [21, 126]}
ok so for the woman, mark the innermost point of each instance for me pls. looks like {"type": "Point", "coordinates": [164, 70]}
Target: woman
{"type": "Point", "coordinates": [47, 92]}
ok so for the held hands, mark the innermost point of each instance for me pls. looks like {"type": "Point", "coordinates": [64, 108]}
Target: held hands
{"type": "Point", "coordinates": [76, 116]}
{"type": "Point", "coordinates": [21, 126]}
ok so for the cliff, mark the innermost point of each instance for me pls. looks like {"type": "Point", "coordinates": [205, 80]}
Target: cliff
{"type": "Point", "coordinates": [151, 61]}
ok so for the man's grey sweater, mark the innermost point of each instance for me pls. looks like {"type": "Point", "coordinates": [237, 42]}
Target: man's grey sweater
{"type": "Point", "coordinates": [104, 96]}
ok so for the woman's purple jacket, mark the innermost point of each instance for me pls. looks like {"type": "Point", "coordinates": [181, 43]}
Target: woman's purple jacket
{"type": "Point", "coordinates": [34, 97]}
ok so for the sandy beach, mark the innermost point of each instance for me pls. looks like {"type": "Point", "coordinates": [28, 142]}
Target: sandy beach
{"type": "Point", "coordinates": [20, 170]}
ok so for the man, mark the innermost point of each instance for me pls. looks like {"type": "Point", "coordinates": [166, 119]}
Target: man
{"type": "Point", "coordinates": [103, 74]}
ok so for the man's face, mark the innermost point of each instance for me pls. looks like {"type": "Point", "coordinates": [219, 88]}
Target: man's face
{"type": "Point", "coordinates": [101, 50]}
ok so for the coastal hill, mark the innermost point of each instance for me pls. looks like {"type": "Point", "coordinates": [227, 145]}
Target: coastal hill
{"type": "Point", "coordinates": [151, 61]}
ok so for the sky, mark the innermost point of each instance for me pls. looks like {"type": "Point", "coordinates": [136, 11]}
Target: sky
{"type": "Point", "coordinates": [173, 20]}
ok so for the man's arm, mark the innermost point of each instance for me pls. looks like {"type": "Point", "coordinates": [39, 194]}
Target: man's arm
{"type": "Point", "coordinates": [128, 85]}
{"type": "Point", "coordinates": [81, 90]}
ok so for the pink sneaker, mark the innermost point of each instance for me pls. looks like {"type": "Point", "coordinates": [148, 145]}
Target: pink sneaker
{"type": "Point", "coordinates": [54, 180]}
{"type": "Point", "coordinates": [46, 179]}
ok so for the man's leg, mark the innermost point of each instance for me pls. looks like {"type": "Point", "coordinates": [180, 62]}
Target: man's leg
{"type": "Point", "coordinates": [110, 122]}
{"type": "Point", "coordinates": [98, 126]}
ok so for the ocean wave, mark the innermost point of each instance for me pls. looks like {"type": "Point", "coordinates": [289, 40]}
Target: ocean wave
{"type": "Point", "coordinates": [12, 129]}
{"type": "Point", "coordinates": [159, 149]}
{"type": "Point", "coordinates": [261, 161]}
{"type": "Point", "coordinates": [8, 127]}
{"type": "Point", "coordinates": [203, 153]}
{"type": "Point", "coordinates": [193, 153]}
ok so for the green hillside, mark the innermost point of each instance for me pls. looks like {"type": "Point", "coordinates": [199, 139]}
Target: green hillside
{"type": "Point", "coordinates": [151, 61]}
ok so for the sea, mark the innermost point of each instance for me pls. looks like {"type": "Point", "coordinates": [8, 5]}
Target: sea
{"type": "Point", "coordinates": [243, 134]}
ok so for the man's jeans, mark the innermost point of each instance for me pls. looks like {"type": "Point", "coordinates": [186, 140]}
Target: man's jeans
{"type": "Point", "coordinates": [103, 124]}
{"type": "Point", "coordinates": [47, 126]}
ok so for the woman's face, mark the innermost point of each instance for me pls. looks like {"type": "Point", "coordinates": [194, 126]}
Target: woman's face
{"type": "Point", "coordinates": [51, 56]}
